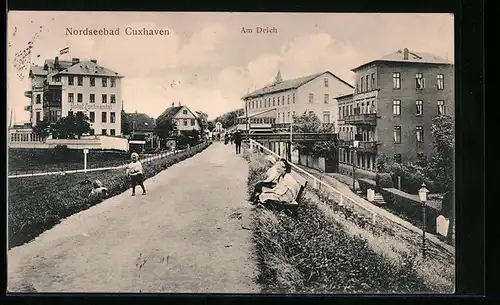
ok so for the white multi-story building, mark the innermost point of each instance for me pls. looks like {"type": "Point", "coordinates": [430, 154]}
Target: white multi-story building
{"type": "Point", "coordinates": [277, 103]}
{"type": "Point", "coordinates": [61, 87]}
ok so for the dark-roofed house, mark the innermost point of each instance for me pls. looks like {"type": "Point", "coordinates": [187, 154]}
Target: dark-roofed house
{"type": "Point", "coordinates": [276, 104]}
{"type": "Point", "coordinates": [391, 109]}
{"type": "Point", "coordinates": [63, 86]}
{"type": "Point", "coordinates": [184, 118]}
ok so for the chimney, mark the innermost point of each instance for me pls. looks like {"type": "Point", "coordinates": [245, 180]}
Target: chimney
{"type": "Point", "coordinates": [405, 54]}
{"type": "Point", "coordinates": [173, 104]}
{"type": "Point", "coordinates": [74, 61]}
{"type": "Point", "coordinates": [94, 61]}
{"type": "Point", "coordinates": [56, 61]}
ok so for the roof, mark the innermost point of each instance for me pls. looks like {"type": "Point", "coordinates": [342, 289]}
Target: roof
{"type": "Point", "coordinates": [413, 57]}
{"type": "Point", "coordinates": [142, 121]}
{"type": "Point", "coordinates": [290, 84]}
{"type": "Point", "coordinates": [170, 112]}
{"type": "Point", "coordinates": [84, 67]}
{"type": "Point", "coordinates": [345, 96]}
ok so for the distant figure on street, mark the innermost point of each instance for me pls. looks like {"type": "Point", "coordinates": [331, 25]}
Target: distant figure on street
{"type": "Point", "coordinates": [237, 140]}
{"type": "Point", "coordinates": [135, 172]}
{"type": "Point", "coordinates": [226, 139]}
{"type": "Point", "coordinates": [270, 181]}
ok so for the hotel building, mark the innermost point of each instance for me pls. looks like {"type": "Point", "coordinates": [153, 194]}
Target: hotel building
{"type": "Point", "coordinates": [391, 110]}
{"type": "Point", "coordinates": [61, 87]}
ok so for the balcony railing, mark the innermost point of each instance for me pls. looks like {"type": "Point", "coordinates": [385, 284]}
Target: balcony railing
{"type": "Point", "coordinates": [361, 119]}
{"type": "Point", "coordinates": [287, 125]}
{"type": "Point", "coordinates": [363, 146]}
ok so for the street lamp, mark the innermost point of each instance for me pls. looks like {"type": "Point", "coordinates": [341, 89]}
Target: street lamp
{"type": "Point", "coordinates": [422, 194]}
{"type": "Point", "coordinates": [353, 148]}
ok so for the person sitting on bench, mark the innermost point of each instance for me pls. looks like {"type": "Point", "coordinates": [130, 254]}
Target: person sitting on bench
{"type": "Point", "coordinates": [270, 181]}
{"type": "Point", "coordinates": [285, 191]}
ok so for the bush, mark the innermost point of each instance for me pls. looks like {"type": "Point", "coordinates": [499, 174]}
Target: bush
{"type": "Point", "coordinates": [409, 208]}
{"type": "Point", "coordinates": [365, 184]}
{"type": "Point", "coordinates": [38, 203]}
{"type": "Point", "coordinates": [384, 180]}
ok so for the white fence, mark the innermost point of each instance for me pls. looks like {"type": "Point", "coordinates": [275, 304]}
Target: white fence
{"type": "Point", "coordinates": [88, 142]}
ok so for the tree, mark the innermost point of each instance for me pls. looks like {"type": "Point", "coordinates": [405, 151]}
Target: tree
{"type": "Point", "coordinates": [310, 123]}
{"type": "Point", "coordinates": [202, 120]}
{"type": "Point", "coordinates": [81, 124]}
{"type": "Point", "coordinates": [164, 129]}
{"type": "Point", "coordinates": [42, 129]}
{"type": "Point", "coordinates": [229, 119]}
{"type": "Point", "coordinates": [70, 126]}
{"type": "Point", "coordinates": [210, 125]}
{"type": "Point", "coordinates": [441, 166]}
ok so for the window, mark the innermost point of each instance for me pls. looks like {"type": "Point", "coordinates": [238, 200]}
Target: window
{"type": "Point", "coordinates": [71, 97]}
{"type": "Point", "coordinates": [92, 132]}
{"type": "Point", "coordinates": [80, 80]}
{"type": "Point", "coordinates": [104, 98]}
{"type": "Point", "coordinates": [92, 116]}
{"type": "Point", "coordinates": [56, 79]}
{"type": "Point", "coordinates": [113, 99]}
{"type": "Point", "coordinates": [350, 110]}
{"type": "Point", "coordinates": [326, 117]}
{"type": "Point", "coordinates": [367, 80]}
{"type": "Point", "coordinates": [71, 80]}
{"type": "Point", "coordinates": [104, 118]}
{"type": "Point", "coordinates": [293, 98]}
{"type": "Point", "coordinates": [326, 82]}
{"type": "Point", "coordinates": [396, 107]}
{"type": "Point", "coordinates": [441, 108]}
{"type": "Point", "coordinates": [373, 81]}
{"type": "Point", "coordinates": [288, 99]}
{"type": "Point", "coordinates": [397, 134]}
{"type": "Point", "coordinates": [260, 104]}
{"type": "Point", "coordinates": [112, 132]}
{"type": "Point", "coordinates": [104, 82]}
{"type": "Point", "coordinates": [113, 82]}
{"type": "Point", "coordinates": [112, 117]}
{"type": "Point", "coordinates": [274, 102]}
{"type": "Point", "coordinates": [279, 117]}
{"type": "Point", "coordinates": [398, 158]}
{"type": "Point", "coordinates": [440, 81]}
{"type": "Point", "coordinates": [420, 107]}
{"type": "Point", "coordinates": [92, 81]}
{"type": "Point", "coordinates": [92, 98]}
{"type": "Point", "coordinates": [340, 112]}
{"type": "Point", "coordinates": [79, 98]}
{"type": "Point", "coordinates": [288, 117]}
{"type": "Point", "coordinates": [185, 122]}
{"type": "Point", "coordinates": [396, 80]}
{"type": "Point", "coordinates": [184, 111]}
{"type": "Point", "coordinates": [38, 116]}
{"type": "Point", "coordinates": [374, 110]}
{"type": "Point", "coordinates": [419, 81]}
{"type": "Point", "coordinates": [311, 98]}
{"type": "Point", "coordinates": [362, 83]}
{"type": "Point", "coordinates": [192, 122]}
{"type": "Point", "coordinates": [327, 98]}
{"type": "Point", "coordinates": [38, 98]}
{"type": "Point", "coordinates": [104, 132]}
{"type": "Point", "coordinates": [70, 113]}
{"type": "Point", "coordinates": [420, 134]}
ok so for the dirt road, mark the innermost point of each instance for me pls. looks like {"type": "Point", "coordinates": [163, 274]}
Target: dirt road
{"type": "Point", "coordinates": [185, 235]}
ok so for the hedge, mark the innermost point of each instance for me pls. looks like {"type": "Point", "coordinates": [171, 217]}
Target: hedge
{"type": "Point", "coordinates": [365, 184]}
{"type": "Point", "coordinates": [384, 180]}
{"type": "Point", "coordinates": [36, 204]}
{"type": "Point", "coordinates": [410, 208]}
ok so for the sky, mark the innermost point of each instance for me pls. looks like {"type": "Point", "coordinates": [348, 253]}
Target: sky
{"type": "Point", "coordinates": [206, 62]}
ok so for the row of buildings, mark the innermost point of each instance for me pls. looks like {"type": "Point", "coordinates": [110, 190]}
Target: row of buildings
{"type": "Point", "coordinates": [61, 87]}
{"type": "Point", "coordinates": [389, 109]}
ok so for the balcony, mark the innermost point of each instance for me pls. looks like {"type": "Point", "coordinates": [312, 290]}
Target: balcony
{"type": "Point", "coordinates": [369, 119]}
{"type": "Point", "coordinates": [363, 146]}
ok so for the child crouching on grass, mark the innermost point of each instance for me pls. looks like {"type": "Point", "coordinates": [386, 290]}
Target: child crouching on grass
{"type": "Point", "coordinates": [134, 171]}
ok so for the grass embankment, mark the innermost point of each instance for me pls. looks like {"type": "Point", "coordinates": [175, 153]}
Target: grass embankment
{"type": "Point", "coordinates": [32, 160]}
{"type": "Point", "coordinates": [36, 204]}
{"type": "Point", "coordinates": [328, 249]}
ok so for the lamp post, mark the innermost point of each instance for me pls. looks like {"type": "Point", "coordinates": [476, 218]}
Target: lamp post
{"type": "Point", "coordinates": [422, 194]}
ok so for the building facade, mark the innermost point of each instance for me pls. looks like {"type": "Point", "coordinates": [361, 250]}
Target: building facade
{"type": "Point", "coordinates": [62, 87]}
{"type": "Point", "coordinates": [391, 110]}
{"type": "Point", "coordinates": [184, 118]}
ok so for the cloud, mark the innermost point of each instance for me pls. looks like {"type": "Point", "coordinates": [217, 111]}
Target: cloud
{"type": "Point", "coordinates": [201, 47]}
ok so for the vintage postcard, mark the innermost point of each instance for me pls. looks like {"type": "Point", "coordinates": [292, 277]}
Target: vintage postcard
{"type": "Point", "coordinates": [177, 152]}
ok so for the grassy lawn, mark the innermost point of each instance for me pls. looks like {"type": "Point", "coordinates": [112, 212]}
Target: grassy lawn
{"type": "Point", "coordinates": [329, 249]}
{"type": "Point", "coordinates": [36, 204]}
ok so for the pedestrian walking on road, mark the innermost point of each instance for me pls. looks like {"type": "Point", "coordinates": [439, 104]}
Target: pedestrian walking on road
{"type": "Point", "coordinates": [237, 141]}
{"type": "Point", "coordinates": [135, 172]}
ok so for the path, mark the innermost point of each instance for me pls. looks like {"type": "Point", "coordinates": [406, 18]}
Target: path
{"type": "Point", "coordinates": [183, 236]}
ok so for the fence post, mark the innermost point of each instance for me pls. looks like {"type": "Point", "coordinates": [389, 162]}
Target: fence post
{"type": "Point", "coordinates": [315, 183]}
{"type": "Point", "coordinates": [341, 200]}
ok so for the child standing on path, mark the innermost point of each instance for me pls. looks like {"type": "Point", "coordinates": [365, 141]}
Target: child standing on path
{"type": "Point", "coordinates": [134, 171]}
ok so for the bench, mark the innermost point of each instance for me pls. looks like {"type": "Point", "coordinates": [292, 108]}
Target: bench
{"type": "Point", "coordinates": [292, 207]}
